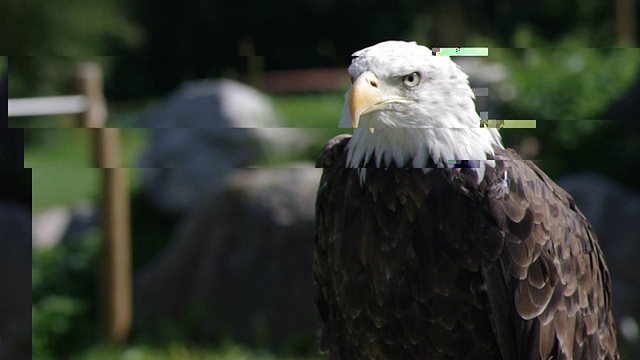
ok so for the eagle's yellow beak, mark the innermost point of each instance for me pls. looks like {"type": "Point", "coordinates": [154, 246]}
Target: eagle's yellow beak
{"type": "Point", "coordinates": [365, 97]}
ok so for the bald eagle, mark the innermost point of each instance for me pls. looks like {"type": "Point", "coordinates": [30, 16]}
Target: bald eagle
{"type": "Point", "coordinates": [416, 258]}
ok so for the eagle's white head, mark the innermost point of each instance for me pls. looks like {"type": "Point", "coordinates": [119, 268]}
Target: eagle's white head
{"type": "Point", "coordinates": [409, 106]}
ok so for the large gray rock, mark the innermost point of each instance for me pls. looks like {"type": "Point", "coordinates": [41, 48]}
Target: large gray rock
{"type": "Point", "coordinates": [203, 130]}
{"type": "Point", "coordinates": [15, 282]}
{"type": "Point", "coordinates": [240, 264]}
{"type": "Point", "coordinates": [614, 213]}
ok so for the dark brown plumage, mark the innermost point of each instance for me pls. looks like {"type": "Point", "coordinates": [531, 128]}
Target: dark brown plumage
{"type": "Point", "coordinates": [411, 265]}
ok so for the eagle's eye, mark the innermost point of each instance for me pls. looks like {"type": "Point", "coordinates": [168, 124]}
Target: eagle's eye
{"type": "Point", "coordinates": [411, 80]}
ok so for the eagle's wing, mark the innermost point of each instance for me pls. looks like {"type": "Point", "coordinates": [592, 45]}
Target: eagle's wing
{"type": "Point", "coordinates": [550, 290]}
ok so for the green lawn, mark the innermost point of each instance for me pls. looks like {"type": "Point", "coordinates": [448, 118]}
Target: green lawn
{"type": "Point", "coordinates": [309, 111]}
{"type": "Point", "coordinates": [63, 167]}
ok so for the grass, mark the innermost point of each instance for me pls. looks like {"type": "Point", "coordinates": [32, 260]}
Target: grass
{"type": "Point", "coordinates": [62, 164]}
{"type": "Point", "coordinates": [309, 111]}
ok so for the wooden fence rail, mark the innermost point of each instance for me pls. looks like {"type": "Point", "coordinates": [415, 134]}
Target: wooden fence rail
{"type": "Point", "coordinates": [52, 105]}
{"type": "Point", "coordinates": [115, 278]}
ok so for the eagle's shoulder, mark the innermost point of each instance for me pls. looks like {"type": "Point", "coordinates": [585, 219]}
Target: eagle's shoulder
{"type": "Point", "coordinates": [333, 153]}
{"type": "Point", "coordinates": [529, 168]}
{"type": "Point", "coordinates": [552, 265]}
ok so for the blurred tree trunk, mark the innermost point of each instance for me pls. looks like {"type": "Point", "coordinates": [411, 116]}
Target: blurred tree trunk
{"type": "Point", "coordinates": [626, 22]}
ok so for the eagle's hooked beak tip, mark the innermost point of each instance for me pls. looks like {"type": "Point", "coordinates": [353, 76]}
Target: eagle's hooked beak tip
{"type": "Point", "coordinates": [365, 95]}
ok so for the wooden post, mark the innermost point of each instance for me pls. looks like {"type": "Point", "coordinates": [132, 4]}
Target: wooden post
{"type": "Point", "coordinates": [115, 294]}
{"type": "Point", "coordinates": [89, 81]}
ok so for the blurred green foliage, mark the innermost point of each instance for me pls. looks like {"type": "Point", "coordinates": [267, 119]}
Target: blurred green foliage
{"type": "Point", "coordinates": [71, 28]}
{"type": "Point", "coordinates": [64, 310]}
{"type": "Point", "coordinates": [178, 351]}
{"type": "Point", "coordinates": [45, 41]}
{"type": "Point", "coordinates": [65, 316]}
{"type": "Point", "coordinates": [565, 81]}
{"type": "Point", "coordinates": [567, 85]}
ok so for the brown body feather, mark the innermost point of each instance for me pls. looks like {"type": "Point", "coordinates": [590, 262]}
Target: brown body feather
{"type": "Point", "coordinates": [436, 266]}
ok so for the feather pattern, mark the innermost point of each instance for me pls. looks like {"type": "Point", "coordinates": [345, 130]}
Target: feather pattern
{"type": "Point", "coordinates": [413, 265]}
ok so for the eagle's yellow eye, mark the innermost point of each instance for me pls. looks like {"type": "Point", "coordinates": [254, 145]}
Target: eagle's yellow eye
{"type": "Point", "coordinates": [411, 80]}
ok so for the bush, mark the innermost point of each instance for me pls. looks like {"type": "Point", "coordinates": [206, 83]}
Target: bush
{"type": "Point", "coordinates": [567, 81]}
{"type": "Point", "coordinates": [566, 85]}
{"type": "Point", "coordinates": [64, 311]}
{"type": "Point", "coordinates": [57, 36]}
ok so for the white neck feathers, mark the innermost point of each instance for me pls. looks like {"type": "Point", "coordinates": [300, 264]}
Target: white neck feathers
{"type": "Point", "coordinates": [413, 147]}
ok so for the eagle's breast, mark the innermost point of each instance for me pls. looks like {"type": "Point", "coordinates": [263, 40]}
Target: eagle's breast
{"type": "Point", "coordinates": [405, 267]}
